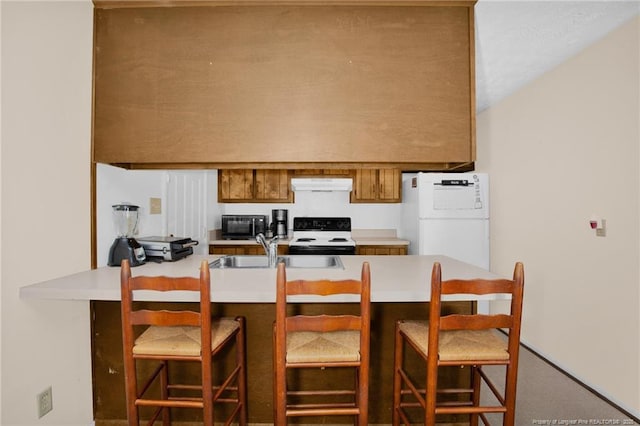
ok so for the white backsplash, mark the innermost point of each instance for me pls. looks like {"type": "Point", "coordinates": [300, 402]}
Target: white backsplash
{"type": "Point", "coordinates": [370, 216]}
{"type": "Point", "coordinates": [189, 199]}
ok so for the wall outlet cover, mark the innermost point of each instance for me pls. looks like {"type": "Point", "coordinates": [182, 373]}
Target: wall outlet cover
{"type": "Point", "coordinates": [45, 401]}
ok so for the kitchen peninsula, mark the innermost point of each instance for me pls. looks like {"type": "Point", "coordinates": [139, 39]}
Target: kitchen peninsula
{"type": "Point", "coordinates": [393, 279]}
{"type": "Point", "coordinates": [399, 289]}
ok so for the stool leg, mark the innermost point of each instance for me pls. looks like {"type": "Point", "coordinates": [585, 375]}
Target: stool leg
{"type": "Point", "coordinates": [397, 380]}
{"type": "Point", "coordinates": [164, 393]}
{"type": "Point", "coordinates": [510, 395]}
{"type": "Point", "coordinates": [207, 391]}
{"type": "Point", "coordinates": [431, 390]}
{"type": "Point", "coordinates": [131, 390]}
{"type": "Point", "coordinates": [475, 380]}
{"type": "Point", "coordinates": [279, 387]}
{"type": "Point", "coordinates": [362, 389]}
{"type": "Point", "coordinates": [242, 376]}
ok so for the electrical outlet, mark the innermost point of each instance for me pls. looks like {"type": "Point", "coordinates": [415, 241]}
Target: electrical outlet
{"type": "Point", "coordinates": [45, 401]}
{"type": "Point", "coordinates": [155, 205]}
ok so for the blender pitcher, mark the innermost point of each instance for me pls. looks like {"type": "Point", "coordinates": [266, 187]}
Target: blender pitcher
{"type": "Point", "coordinates": [125, 219]}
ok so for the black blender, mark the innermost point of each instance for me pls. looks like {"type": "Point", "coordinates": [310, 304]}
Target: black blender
{"type": "Point", "coordinates": [125, 219]}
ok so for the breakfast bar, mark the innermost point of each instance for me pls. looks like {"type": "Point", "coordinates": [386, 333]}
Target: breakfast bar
{"type": "Point", "coordinates": [399, 289]}
{"type": "Point", "coordinates": [394, 279]}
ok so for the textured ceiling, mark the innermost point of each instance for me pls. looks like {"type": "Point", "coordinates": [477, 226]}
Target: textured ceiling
{"type": "Point", "coordinates": [517, 41]}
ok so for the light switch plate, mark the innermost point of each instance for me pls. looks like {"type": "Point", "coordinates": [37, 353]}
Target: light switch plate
{"type": "Point", "coordinates": [155, 205]}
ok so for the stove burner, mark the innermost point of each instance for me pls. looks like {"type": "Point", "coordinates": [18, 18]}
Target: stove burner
{"type": "Point", "coordinates": [303, 240]}
{"type": "Point", "coordinates": [338, 240]}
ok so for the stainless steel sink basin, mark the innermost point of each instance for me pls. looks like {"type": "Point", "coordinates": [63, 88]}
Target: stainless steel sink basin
{"type": "Point", "coordinates": [311, 261]}
{"type": "Point", "coordinates": [240, 262]}
{"type": "Point", "coordinates": [293, 261]}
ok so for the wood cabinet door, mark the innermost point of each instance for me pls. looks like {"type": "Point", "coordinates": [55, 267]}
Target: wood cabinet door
{"type": "Point", "coordinates": [365, 186]}
{"type": "Point", "coordinates": [272, 185]}
{"type": "Point", "coordinates": [381, 250]}
{"type": "Point", "coordinates": [375, 186]}
{"type": "Point", "coordinates": [390, 185]}
{"type": "Point", "coordinates": [235, 185]}
{"type": "Point", "coordinates": [235, 250]}
{"type": "Point", "coordinates": [226, 250]}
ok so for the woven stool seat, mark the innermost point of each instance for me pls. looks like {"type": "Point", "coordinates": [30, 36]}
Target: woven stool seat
{"type": "Point", "coordinates": [182, 340]}
{"type": "Point", "coordinates": [462, 345]}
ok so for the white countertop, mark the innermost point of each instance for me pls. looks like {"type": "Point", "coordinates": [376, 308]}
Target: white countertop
{"type": "Point", "coordinates": [374, 241]}
{"type": "Point", "coordinates": [373, 237]}
{"type": "Point", "coordinates": [248, 241]}
{"type": "Point", "coordinates": [377, 237]}
{"type": "Point", "coordinates": [393, 279]}
{"type": "Point", "coordinates": [365, 241]}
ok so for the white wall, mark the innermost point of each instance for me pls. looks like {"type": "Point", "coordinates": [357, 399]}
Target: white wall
{"type": "Point", "coordinates": [46, 139]}
{"type": "Point", "coordinates": [187, 206]}
{"type": "Point", "coordinates": [114, 186]}
{"type": "Point", "coordinates": [561, 149]}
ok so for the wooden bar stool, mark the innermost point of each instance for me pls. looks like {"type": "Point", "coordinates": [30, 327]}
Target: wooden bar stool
{"type": "Point", "coordinates": [460, 340]}
{"type": "Point", "coordinates": [172, 336]}
{"type": "Point", "coordinates": [321, 342]}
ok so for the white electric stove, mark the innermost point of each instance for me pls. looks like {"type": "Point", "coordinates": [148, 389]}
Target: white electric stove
{"type": "Point", "coordinates": [322, 235]}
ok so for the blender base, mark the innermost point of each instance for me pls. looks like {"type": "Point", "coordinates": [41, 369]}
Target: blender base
{"type": "Point", "coordinates": [126, 248]}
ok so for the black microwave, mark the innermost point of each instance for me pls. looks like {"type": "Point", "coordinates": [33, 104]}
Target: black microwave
{"type": "Point", "coordinates": [243, 226]}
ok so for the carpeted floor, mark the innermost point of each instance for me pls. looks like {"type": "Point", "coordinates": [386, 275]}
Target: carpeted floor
{"type": "Point", "coordinates": [547, 396]}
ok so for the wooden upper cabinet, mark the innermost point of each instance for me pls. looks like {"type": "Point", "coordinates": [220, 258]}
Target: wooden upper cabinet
{"type": "Point", "coordinates": [292, 85]}
{"type": "Point", "coordinates": [390, 185]}
{"type": "Point", "coordinates": [247, 185]}
{"type": "Point", "coordinates": [377, 186]}
{"type": "Point", "coordinates": [273, 186]}
{"type": "Point", "coordinates": [365, 184]}
{"type": "Point", "coordinates": [235, 185]}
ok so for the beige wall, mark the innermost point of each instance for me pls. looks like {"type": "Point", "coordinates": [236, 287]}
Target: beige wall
{"type": "Point", "coordinates": [46, 134]}
{"type": "Point", "coordinates": [561, 149]}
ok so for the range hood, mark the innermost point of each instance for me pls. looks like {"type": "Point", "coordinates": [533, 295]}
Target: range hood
{"type": "Point", "coordinates": [321, 184]}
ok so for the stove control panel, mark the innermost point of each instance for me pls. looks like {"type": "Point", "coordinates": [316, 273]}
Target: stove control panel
{"type": "Point", "coordinates": [322, 224]}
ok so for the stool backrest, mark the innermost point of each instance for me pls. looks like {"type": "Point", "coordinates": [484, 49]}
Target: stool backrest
{"type": "Point", "coordinates": [324, 288]}
{"type": "Point", "coordinates": [511, 320]}
{"type": "Point", "coordinates": [164, 317]}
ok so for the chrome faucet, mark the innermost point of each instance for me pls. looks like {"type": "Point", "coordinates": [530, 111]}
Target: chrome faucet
{"type": "Point", "coordinates": [270, 249]}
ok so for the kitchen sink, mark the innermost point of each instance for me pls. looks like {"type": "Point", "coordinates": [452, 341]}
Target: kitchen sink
{"type": "Point", "coordinates": [311, 261]}
{"type": "Point", "coordinates": [240, 262]}
{"type": "Point", "coordinates": [293, 261]}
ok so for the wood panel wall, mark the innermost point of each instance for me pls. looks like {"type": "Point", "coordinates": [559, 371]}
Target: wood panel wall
{"type": "Point", "coordinates": [284, 84]}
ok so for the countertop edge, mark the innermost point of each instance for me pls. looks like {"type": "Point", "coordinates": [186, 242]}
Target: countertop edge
{"type": "Point", "coordinates": [393, 279]}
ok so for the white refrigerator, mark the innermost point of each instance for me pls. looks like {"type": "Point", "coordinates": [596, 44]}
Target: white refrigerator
{"type": "Point", "coordinates": [447, 214]}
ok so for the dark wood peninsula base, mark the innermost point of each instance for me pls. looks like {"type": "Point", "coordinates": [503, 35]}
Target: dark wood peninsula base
{"type": "Point", "coordinates": [108, 378]}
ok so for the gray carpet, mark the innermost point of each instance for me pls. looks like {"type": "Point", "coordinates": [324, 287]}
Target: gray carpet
{"type": "Point", "coordinates": [547, 396]}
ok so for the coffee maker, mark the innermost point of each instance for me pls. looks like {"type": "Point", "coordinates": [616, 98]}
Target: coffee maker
{"type": "Point", "coordinates": [125, 219]}
{"type": "Point", "coordinates": [280, 222]}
